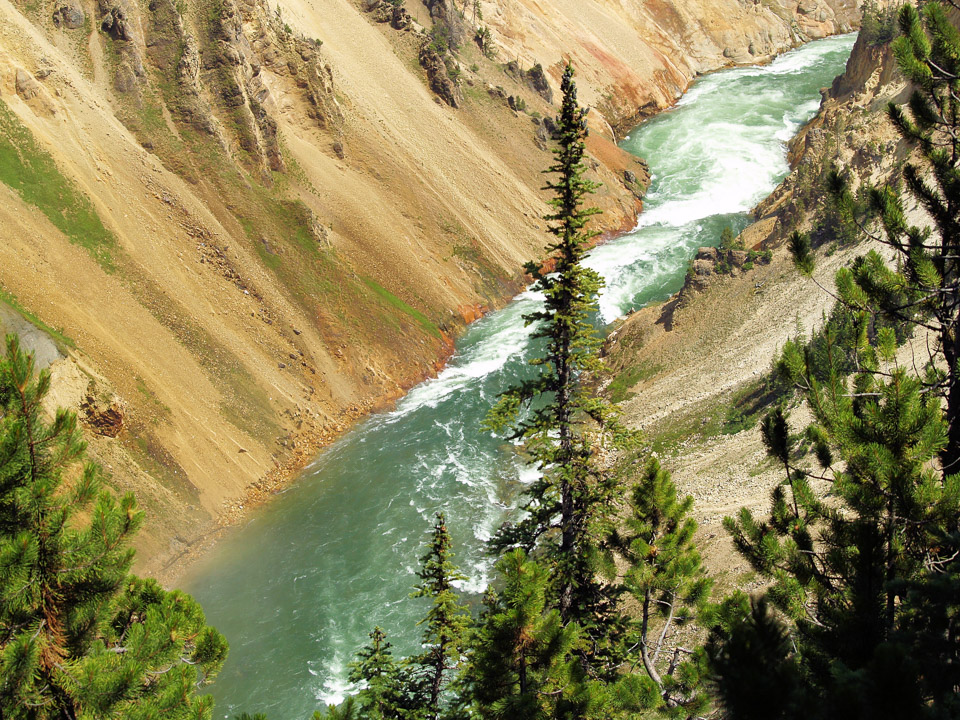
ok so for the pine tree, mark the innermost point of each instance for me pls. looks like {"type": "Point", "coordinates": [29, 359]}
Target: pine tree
{"type": "Point", "coordinates": [860, 575]}
{"type": "Point", "coordinates": [79, 636]}
{"type": "Point", "coordinates": [447, 623]}
{"type": "Point", "coordinates": [521, 665]}
{"type": "Point", "coordinates": [923, 289]}
{"type": "Point", "coordinates": [838, 567]}
{"type": "Point", "coordinates": [569, 503]}
{"type": "Point", "coordinates": [381, 697]}
{"type": "Point", "coordinates": [666, 578]}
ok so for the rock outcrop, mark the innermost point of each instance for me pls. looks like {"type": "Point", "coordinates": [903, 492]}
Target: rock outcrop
{"type": "Point", "coordinates": [437, 76]}
{"type": "Point", "coordinates": [851, 133]}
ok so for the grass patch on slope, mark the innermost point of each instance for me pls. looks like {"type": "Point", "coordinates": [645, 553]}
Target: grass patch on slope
{"type": "Point", "coordinates": [395, 302]}
{"type": "Point", "coordinates": [11, 301]}
{"type": "Point", "coordinates": [33, 174]}
{"type": "Point", "coordinates": [729, 415]}
{"type": "Point", "coordinates": [620, 387]}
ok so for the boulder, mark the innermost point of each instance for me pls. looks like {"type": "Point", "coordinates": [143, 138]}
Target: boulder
{"type": "Point", "coordinates": [103, 417]}
{"type": "Point", "coordinates": [27, 86]}
{"type": "Point", "coordinates": [34, 94]}
{"type": "Point", "coordinates": [738, 258]}
{"type": "Point", "coordinates": [125, 81]}
{"type": "Point", "coordinates": [68, 14]}
{"type": "Point", "coordinates": [537, 80]}
{"type": "Point", "coordinates": [551, 126]}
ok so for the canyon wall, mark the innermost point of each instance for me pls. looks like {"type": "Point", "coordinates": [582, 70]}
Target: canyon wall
{"type": "Point", "coordinates": [240, 226]}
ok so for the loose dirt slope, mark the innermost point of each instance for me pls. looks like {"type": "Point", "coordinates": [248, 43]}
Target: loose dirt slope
{"type": "Point", "coordinates": [248, 224]}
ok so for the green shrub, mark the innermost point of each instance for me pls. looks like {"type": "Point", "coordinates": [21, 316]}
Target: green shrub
{"type": "Point", "coordinates": [730, 240]}
{"type": "Point", "coordinates": [879, 25]}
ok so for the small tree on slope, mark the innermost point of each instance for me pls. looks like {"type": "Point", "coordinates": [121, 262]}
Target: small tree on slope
{"type": "Point", "coordinates": [446, 625]}
{"type": "Point", "coordinates": [79, 637]}
{"type": "Point", "coordinates": [667, 579]}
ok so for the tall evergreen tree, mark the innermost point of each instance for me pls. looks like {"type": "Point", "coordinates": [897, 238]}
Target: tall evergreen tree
{"type": "Point", "coordinates": [79, 636]}
{"type": "Point", "coordinates": [446, 625]}
{"type": "Point", "coordinates": [568, 504]}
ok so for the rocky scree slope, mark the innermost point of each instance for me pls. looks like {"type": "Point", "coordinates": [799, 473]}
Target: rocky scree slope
{"type": "Point", "coordinates": [243, 225]}
{"type": "Point", "coordinates": [693, 370]}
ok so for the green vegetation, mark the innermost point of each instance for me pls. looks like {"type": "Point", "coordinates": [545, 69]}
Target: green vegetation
{"type": "Point", "coordinates": [161, 411]}
{"type": "Point", "coordinates": [484, 40]}
{"type": "Point", "coordinates": [81, 636]}
{"type": "Point", "coordinates": [523, 663]}
{"type": "Point", "coordinates": [10, 300]}
{"type": "Point", "coordinates": [446, 624]}
{"type": "Point", "coordinates": [33, 174]}
{"type": "Point", "coordinates": [730, 414]}
{"type": "Point", "coordinates": [729, 240]}
{"type": "Point", "coordinates": [864, 580]}
{"type": "Point", "coordinates": [440, 39]}
{"type": "Point", "coordinates": [395, 302]}
{"type": "Point", "coordinates": [417, 687]}
{"type": "Point", "coordinates": [620, 387]}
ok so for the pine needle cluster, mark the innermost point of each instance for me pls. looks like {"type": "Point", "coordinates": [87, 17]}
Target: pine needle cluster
{"type": "Point", "coordinates": [79, 636]}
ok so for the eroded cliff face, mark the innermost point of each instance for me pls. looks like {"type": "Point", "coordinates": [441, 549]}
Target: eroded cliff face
{"type": "Point", "coordinates": [851, 133]}
{"type": "Point", "coordinates": [251, 223]}
{"type": "Point", "coordinates": [637, 57]}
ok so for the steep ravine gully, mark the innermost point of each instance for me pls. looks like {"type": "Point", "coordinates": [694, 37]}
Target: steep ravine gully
{"type": "Point", "coordinates": [247, 224]}
{"type": "Point", "coordinates": [299, 586]}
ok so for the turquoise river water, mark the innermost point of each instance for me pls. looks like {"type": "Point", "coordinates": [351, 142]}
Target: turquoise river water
{"type": "Point", "coordinates": [297, 589]}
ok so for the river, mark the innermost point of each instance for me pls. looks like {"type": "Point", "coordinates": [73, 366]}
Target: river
{"type": "Point", "coordinates": [297, 589]}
